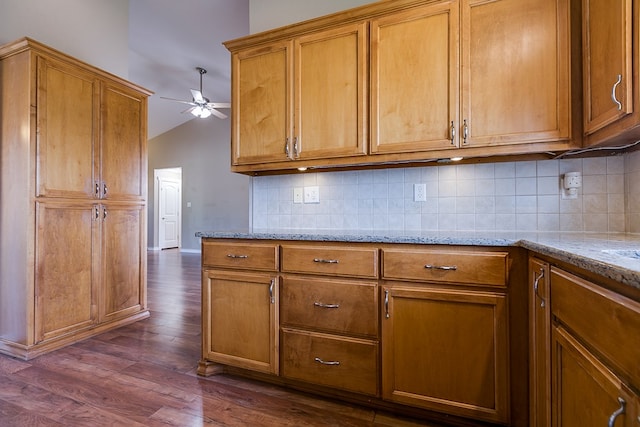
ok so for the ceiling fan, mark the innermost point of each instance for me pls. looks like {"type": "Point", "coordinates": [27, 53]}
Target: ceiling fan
{"type": "Point", "coordinates": [200, 106]}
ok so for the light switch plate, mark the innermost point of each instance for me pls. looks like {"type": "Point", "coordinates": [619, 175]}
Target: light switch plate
{"type": "Point", "coordinates": [297, 194]}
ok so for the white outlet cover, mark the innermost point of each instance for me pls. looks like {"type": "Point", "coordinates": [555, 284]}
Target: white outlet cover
{"type": "Point", "coordinates": [312, 194]}
{"type": "Point", "coordinates": [298, 194]}
{"type": "Point", "coordinates": [419, 192]}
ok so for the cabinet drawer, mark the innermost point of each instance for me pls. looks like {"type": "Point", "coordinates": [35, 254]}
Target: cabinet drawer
{"type": "Point", "coordinates": [607, 322]}
{"type": "Point", "coordinates": [475, 268]}
{"type": "Point", "coordinates": [331, 260]}
{"type": "Point", "coordinates": [330, 305]}
{"type": "Point", "coordinates": [344, 363]}
{"type": "Point", "coordinates": [246, 256]}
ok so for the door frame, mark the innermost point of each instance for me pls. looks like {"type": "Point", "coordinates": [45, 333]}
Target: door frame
{"type": "Point", "coordinates": [157, 173]}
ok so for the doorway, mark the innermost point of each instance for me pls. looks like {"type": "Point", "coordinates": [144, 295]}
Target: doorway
{"type": "Point", "coordinates": [168, 207]}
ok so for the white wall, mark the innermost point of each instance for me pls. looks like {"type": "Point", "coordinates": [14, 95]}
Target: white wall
{"type": "Point", "coordinates": [268, 14]}
{"type": "Point", "coordinates": [94, 31]}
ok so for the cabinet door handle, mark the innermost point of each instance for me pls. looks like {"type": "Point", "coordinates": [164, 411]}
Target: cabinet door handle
{"type": "Point", "coordinates": [97, 189]}
{"type": "Point", "coordinates": [536, 283]}
{"type": "Point", "coordinates": [453, 134]}
{"type": "Point", "coordinates": [104, 190]}
{"type": "Point", "coordinates": [104, 214]}
{"type": "Point", "coordinates": [97, 213]}
{"type": "Point", "coordinates": [617, 412]}
{"type": "Point", "coordinates": [286, 147]}
{"type": "Point", "coordinates": [271, 285]}
{"type": "Point", "coordinates": [325, 261]}
{"type": "Point", "coordinates": [323, 305]}
{"type": "Point", "coordinates": [441, 267]}
{"type": "Point", "coordinates": [237, 256]}
{"type": "Point", "coordinates": [386, 304]}
{"type": "Point", "coordinates": [332, 362]}
{"type": "Point", "coordinates": [296, 153]}
{"type": "Point", "coordinates": [613, 92]}
{"type": "Point", "coordinates": [465, 132]}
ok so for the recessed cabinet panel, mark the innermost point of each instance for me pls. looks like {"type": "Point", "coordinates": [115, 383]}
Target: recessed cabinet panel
{"type": "Point", "coordinates": [515, 72]}
{"type": "Point", "coordinates": [123, 144]}
{"type": "Point", "coordinates": [330, 95]}
{"type": "Point", "coordinates": [65, 285]}
{"type": "Point", "coordinates": [122, 251]}
{"type": "Point", "coordinates": [262, 90]}
{"type": "Point", "coordinates": [446, 350]}
{"type": "Point", "coordinates": [607, 62]}
{"type": "Point", "coordinates": [414, 79]}
{"type": "Point", "coordinates": [67, 98]}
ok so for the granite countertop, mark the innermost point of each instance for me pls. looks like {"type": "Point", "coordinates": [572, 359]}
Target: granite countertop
{"type": "Point", "coordinates": [612, 255]}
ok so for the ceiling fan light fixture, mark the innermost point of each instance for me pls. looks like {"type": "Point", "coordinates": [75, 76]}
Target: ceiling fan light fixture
{"type": "Point", "coordinates": [201, 112]}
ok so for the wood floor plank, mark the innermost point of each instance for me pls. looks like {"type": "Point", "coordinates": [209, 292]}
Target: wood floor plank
{"type": "Point", "coordinates": [144, 374]}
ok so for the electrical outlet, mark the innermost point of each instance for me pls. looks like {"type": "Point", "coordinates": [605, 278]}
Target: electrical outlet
{"type": "Point", "coordinates": [419, 192]}
{"type": "Point", "coordinates": [312, 194]}
{"type": "Point", "coordinates": [297, 195]}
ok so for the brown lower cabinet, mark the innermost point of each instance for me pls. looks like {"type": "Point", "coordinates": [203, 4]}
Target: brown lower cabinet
{"type": "Point", "coordinates": [418, 329]}
{"type": "Point", "coordinates": [584, 351]}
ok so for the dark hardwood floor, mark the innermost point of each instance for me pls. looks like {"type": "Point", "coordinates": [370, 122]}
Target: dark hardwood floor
{"type": "Point", "coordinates": [144, 375]}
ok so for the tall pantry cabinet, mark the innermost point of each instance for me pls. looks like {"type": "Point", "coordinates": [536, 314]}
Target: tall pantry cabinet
{"type": "Point", "coordinates": [72, 200]}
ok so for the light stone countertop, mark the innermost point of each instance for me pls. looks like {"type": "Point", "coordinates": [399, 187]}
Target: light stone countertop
{"type": "Point", "coordinates": [590, 251]}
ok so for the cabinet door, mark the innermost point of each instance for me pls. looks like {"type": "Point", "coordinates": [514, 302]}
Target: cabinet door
{"type": "Point", "coordinates": [446, 350]}
{"type": "Point", "coordinates": [240, 319]}
{"type": "Point", "coordinates": [66, 105]}
{"type": "Point", "coordinates": [262, 95]}
{"type": "Point", "coordinates": [516, 82]}
{"type": "Point", "coordinates": [540, 343]}
{"type": "Point", "coordinates": [123, 167]}
{"type": "Point", "coordinates": [330, 96]}
{"type": "Point", "coordinates": [65, 284]}
{"type": "Point", "coordinates": [123, 260]}
{"type": "Point", "coordinates": [414, 79]}
{"type": "Point", "coordinates": [585, 392]}
{"type": "Point", "coordinates": [607, 62]}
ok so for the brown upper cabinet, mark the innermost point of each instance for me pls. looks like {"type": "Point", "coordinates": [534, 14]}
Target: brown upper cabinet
{"type": "Point", "coordinates": [302, 98]}
{"type": "Point", "coordinates": [610, 66]}
{"type": "Point", "coordinates": [407, 81]}
{"type": "Point", "coordinates": [470, 74]}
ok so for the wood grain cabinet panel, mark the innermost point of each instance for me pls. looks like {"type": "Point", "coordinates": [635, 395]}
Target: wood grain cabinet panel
{"type": "Point", "coordinates": [240, 320]}
{"type": "Point", "coordinates": [435, 265]}
{"type": "Point", "coordinates": [288, 97]}
{"type": "Point", "coordinates": [73, 147]}
{"type": "Point", "coordinates": [244, 256]}
{"type": "Point", "coordinates": [611, 61]}
{"type": "Point", "coordinates": [585, 391]}
{"type": "Point", "coordinates": [331, 260]}
{"type": "Point", "coordinates": [342, 363]}
{"type": "Point", "coordinates": [337, 306]}
{"type": "Point", "coordinates": [446, 350]}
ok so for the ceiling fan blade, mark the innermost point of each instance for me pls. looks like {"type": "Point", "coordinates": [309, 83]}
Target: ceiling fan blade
{"type": "Point", "coordinates": [188, 110]}
{"type": "Point", "coordinates": [219, 104]}
{"type": "Point", "coordinates": [178, 100]}
{"type": "Point", "coordinates": [217, 113]}
{"type": "Point", "coordinates": [197, 97]}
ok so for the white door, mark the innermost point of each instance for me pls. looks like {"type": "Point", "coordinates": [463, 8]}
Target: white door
{"type": "Point", "coordinates": [169, 212]}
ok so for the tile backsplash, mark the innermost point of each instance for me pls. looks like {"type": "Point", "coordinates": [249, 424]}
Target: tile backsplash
{"type": "Point", "coordinates": [508, 196]}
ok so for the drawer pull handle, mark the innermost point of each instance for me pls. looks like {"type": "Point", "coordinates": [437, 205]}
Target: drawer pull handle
{"type": "Point", "coordinates": [323, 305]}
{"type": "Point", "coordinates": [441, 267]}
{"type": "Point", "coordinates": [536, 282]}
{"type": "Point", "coordinates": [237, 256]}
{"type": "Point", "coordinates": [618, 412]}
{"type": "Point", "coordinates": [325, 261]}
{"type": "Point", "coordinates": [332, 363]}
